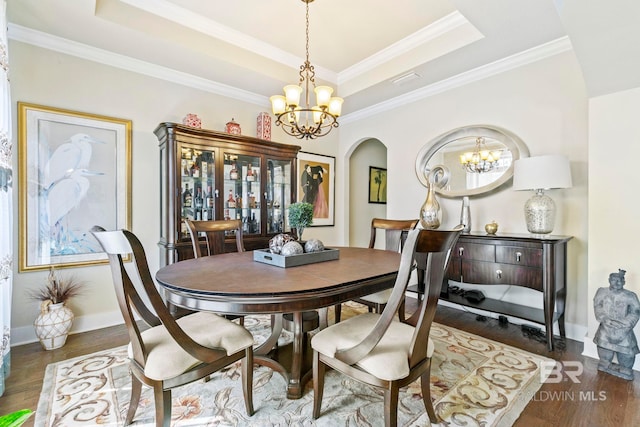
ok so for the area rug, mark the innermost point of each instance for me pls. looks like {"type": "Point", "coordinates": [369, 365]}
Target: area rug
{"type": "Point", "coordinates": [474, 382]}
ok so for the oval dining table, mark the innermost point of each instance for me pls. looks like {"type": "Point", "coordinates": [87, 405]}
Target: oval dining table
{"type": "Point", "coordinates": [233, 283]}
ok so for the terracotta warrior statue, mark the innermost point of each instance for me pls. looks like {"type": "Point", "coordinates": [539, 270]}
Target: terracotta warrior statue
{"type": "Point", "coordinates": [618, 311]}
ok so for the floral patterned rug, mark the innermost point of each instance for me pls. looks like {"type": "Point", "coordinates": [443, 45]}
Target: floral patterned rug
{"type": "Point", "coordinates": [474, 382]}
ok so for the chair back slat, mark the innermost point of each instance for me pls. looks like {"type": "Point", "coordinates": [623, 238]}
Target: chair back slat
{"type": "Point", "coordinates": [395, 232]}
{"type": "Point", "coordinates": [432, 253]}
{"type": "Point", "coordinates": [214, 235]}
{"type": "Point", "coordinates": [130, 298]}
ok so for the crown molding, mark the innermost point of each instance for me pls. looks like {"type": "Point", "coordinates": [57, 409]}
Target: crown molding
{"type": "Point", "coordinates": [90, 53]}
{"type": "Point", "coordinates": [388, 54]}
{"type": "Point", "coordinates": [529, 56]}
{"type": "Point", "coordinates": [69, 47]}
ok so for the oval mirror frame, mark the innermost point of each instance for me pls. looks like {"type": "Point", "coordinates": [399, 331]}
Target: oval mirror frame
{"type": "Point", "coordinates": [514, 144]}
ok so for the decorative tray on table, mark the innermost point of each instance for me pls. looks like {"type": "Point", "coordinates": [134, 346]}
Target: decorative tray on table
{"type": "Point", "coordinates": [265, 256]}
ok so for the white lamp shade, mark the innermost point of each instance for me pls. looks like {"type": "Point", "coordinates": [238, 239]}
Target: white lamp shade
{"type": "Point", "coordinates": [292, 93]}
{"type": "Point", "coordinates": [278, 104]}
{"type": "Point", "coordinates": [335, 106]}
{"type": "Point", "coordinates": [541, 173]}
{"type": "Point", "coordinates": [323, 95]}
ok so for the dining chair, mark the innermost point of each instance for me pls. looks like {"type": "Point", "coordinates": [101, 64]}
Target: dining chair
{"type": "Point", "coordinates": [215, 233]}
{"type": "Point", "coordinates": [169, 352]}
{"type": "Point", "coordinates": [375, 349]}
{"type": "Point", "coordinates": [395, 232]}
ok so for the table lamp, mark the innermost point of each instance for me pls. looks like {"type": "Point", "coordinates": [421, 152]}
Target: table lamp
{"type": "Point", "coordinates": [541, 173]}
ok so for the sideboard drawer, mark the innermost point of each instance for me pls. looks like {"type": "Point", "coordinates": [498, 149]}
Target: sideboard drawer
{"type": "Point", "coordinates": [531, 257]}
{"type": "Point", "coordinates": [493, 273]}
{"type": "Point", "coordinates": [476, 251]}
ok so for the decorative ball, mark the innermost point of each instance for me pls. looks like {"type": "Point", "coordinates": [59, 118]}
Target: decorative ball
{"type": "Point", "coordinates": [277, 242]}
{"type": "Point", "coordinates": [314, 245]}
{"type": "Point", "coordinates": [292, 248]}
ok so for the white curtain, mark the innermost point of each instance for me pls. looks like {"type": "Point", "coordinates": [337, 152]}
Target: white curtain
{"type": "Point", "coordinates": [6, 202]}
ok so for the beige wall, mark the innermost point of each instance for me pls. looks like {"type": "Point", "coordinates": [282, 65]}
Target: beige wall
{"type": "Point", "coordinates": [545, 104]}
{"type": "Point", "coordinates": [614, 149]}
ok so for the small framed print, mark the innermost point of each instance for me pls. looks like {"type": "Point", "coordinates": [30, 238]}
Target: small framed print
{"type": "Point", "coordinates": [377, 185]}
{"type": "Point", "coordinates": [316, 185]}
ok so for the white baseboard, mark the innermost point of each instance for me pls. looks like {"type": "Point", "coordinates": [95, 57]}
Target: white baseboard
{"type": "Point", "coordinates": [26, 334]}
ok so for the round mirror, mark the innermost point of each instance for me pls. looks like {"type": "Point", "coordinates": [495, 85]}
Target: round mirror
{"type": "Point", "coordinates": [470, 160]}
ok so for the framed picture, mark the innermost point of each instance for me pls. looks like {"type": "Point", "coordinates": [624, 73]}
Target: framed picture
{"type": "Point", "coordinates": [377, 185]}
{"type": "Point", "coordinates": [316, 185]}
{"type": "Point", "coordinates": [74, 173]}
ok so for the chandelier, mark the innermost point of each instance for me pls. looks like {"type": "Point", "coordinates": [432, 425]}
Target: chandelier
{"type": "Point", "coordinates": [304, 121]}
{"type": "Point", "coordinates": [480, 160]}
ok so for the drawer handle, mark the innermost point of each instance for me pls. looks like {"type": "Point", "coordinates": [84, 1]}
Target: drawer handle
{"type": "Point", "coordinates": [518, 256]}
{"type": "Point", "coordinates": [460, 251]}
{"type": "Point", "coordinates": [499, 274]}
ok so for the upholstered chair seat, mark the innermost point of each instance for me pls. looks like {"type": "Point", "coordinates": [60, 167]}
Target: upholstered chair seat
{"type": "Point", "coordinates": [167, 359]}
{"type": "Point", "coordinates": [389, 360]}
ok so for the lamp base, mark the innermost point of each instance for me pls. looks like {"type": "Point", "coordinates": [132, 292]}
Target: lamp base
{"type": "Point", "coordinates": [540, 213]}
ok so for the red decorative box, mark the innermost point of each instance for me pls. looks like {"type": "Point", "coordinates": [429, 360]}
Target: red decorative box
{"type": "Point", "coordinates": [192, 120]}
{"type": "Point", "coordinates": [264, 126]}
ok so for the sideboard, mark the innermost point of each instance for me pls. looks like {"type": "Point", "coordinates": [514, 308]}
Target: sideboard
{"type": "Point", "coordinates": [537, 262]}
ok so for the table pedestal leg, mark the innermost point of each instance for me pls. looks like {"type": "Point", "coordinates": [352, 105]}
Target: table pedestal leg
{"type": "Point", "coordinates": [294, 377]}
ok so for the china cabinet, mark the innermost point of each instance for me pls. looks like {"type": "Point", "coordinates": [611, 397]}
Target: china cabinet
{"type": "Point", "coordinates": [210, 175]}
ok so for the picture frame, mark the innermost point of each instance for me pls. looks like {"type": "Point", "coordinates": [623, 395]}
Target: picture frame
{"type": "Point", "coordinates": [74, 173]}
{"type": "Point", "coordinates": [377, 185]}
{"type": "Point", "coordinates": [317, 186]}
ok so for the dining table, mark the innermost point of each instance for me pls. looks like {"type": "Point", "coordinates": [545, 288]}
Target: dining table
{"type": "Point", "coordinates": [234, 283]}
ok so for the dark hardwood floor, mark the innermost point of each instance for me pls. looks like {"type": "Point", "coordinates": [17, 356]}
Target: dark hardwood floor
{"type": "Point", "coordinates": [597, 400]}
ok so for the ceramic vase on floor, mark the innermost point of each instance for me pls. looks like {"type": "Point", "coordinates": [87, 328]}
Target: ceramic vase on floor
{"type": "Point", "coordinates": [53, 324]}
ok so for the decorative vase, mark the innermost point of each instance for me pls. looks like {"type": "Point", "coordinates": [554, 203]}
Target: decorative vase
{"type": "Point", "coordinates": [430, 213]}
{"type": "Point", "coordinates": [53, 324]}
{"type": "Point", "coordinates": [465, 215]}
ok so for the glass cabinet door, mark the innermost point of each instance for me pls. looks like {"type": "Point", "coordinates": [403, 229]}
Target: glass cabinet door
{"type": "Point", "coordinates": [241, 193]}
{"type": "Point", "coordinates": [278, 194]}
{"type": "Point", "coordinates": [197, 172]}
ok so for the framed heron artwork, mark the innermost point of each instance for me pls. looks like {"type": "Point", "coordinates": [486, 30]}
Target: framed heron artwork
{"type": "Point", "coordinates": [74, 173]}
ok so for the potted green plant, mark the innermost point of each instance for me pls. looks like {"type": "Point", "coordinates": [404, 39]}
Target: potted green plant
{"type": "Point", "coordinates": [300, 217]}
{"type": "Point", "coordinates": [55, 319]}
